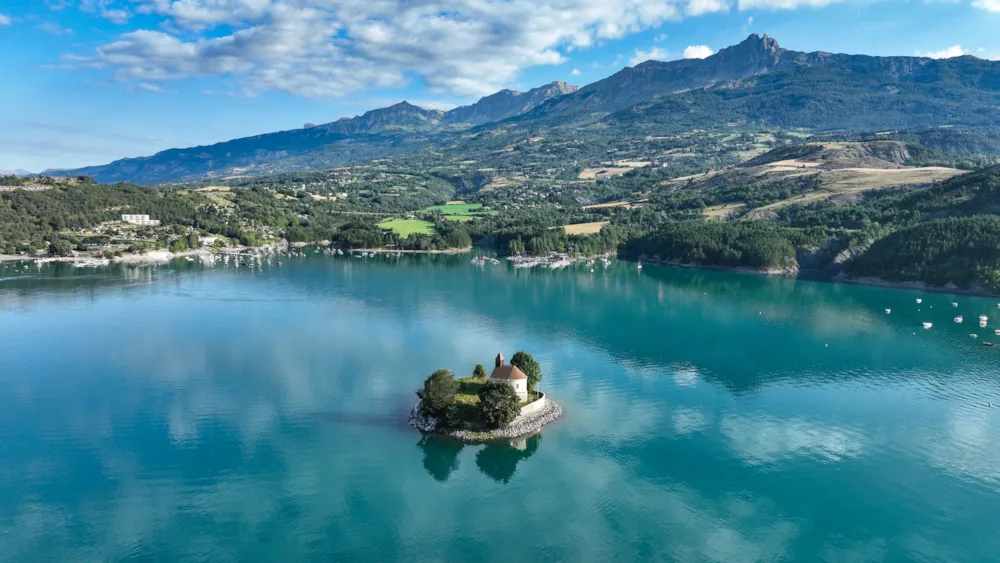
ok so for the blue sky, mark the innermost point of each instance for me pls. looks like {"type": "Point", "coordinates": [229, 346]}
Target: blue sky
{"type": "Point", "coordinates": [91, 81]}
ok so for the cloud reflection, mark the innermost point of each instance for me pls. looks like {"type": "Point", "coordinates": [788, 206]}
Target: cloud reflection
{"type": "Point", "coordinates": [763, 439]}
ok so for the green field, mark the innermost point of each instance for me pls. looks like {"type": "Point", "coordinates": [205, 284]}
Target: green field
{"type": "Point", "coordinates": [459, 209]}
{"type": "Point", "coordinates": [406, 227]}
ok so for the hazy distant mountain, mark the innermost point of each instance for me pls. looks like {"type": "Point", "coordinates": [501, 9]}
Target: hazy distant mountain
{"type": "Point", "coordinates": [375, 133]}
{"type": "Point", "coordinates": [754, 84]}
{"type": "Point", "coordinates": [18, 172]}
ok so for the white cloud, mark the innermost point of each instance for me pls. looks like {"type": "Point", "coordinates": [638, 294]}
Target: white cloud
{"type": "Point", "coordinates": [699, 7]}
{"type": "Point", "coordinates": [988, 5]}
{"type": "Point", "coordinates": [950, 52]}
{"type": "Point", "coordinates": [4, 20]}
{"type": "Point", "coordinates": [153, 88]}
{"type": "Point", "coordinates": [119, 17]}
{"type": "Point", "coordinates": [54, 29]}
{"type": "Point", "coordinates": [698, 52]}
{"type": "Point", "coordinates": [320, 48]}
{"type": "Point", "coordinates": [784, 4]}
{"type": "Point", "coordinates": [575, 72]}
{"type": "Point", "coordinates": [750, 20]}
{"type": "Point", "coordinates": [984, 53]}
{"type": "Point", "coordinates": [107, 10]}
{"type": "Point", "coordinates": [654, 54]}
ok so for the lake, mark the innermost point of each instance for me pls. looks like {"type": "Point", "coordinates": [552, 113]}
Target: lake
{"type": "Point", "coordinates": [189, 413]}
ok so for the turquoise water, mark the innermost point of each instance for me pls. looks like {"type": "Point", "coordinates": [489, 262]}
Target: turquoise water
{"type": "Point", "coordinates": [206, 414]}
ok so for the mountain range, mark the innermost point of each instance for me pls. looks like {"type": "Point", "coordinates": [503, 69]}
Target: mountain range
{"type": "Point", "coordinates": [754, 85]}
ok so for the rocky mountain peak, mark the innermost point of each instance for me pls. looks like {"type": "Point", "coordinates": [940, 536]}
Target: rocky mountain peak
{"type": "Point", "coordinates": [755, 52]}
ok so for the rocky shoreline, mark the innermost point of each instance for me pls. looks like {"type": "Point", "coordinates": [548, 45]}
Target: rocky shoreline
{"type": "Point", "coordinates": [974, 291]}
{"type": "Point", "coordinates": [522, 425]}
{"type": "Point", "coordinates": [790, 271]}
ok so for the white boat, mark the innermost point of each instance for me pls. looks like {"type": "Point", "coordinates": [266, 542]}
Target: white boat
{"type": "Point", "coordinates": [982, 324]}
{"type": "Point", "coordinates": [638, 266]}
{"type": "Point", "coordinates": [928, 325]}
{"type": "Point", "coordinates": [920, 301]}
{"type": "Point", "coordinates": [996, 332]}
{"type": "Point", "coordinates": [958, 319]}
{"type": "Point", "coordinates": [89, 263]}
{"type": "Point", "coordinates": [954, 304]}
{"type": "Point", "coordinates": [973, 335]}
{"type": "Point", "coordinates": [888, 311]}
{"type": "Point", "coordinates": [983, 318]}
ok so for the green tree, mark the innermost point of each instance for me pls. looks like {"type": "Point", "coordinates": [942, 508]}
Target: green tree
{"type": "Point", "coordinates": [515, 247]}
{"type": "Point", "coordinates": [527, 364]}
{"type": "Point", "coordinates": [179, 245]}
{"type": "Point", "coordinates": [498, 404]}
{"type": "Point", "coordinates": [60, 247]}
{"type": "Point", "coordinates": [479, 372]}
{"type": "Point", "coordinates": [438, 394]}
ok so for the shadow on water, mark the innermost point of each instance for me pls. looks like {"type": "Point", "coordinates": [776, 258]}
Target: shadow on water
{"type": "Point", "coordinates": [496, 460]}
{"type": "Point", "coordinates": [395, 418]}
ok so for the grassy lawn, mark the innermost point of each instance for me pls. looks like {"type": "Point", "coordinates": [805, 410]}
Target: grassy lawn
{"type": "Point", "coordinates": [585, 228]}
{"type": "Point", "coordinates": [603, 205]}
{"type": "Point", "coordinates": [462, 218]}
{"type": "Point", "coordinates": [468, 392]}
{"type": "Point", "coordinates": [406, 227]}
{"type": "Point", "coordinates": [220, 201]}
{"type": "Point", "coordinates": [459, 209]}
{"type": "Point", "coordinates": [468, 398]}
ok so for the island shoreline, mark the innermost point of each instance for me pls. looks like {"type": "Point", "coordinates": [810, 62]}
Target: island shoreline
{"type": "Point", "coordinates": [522, 426]}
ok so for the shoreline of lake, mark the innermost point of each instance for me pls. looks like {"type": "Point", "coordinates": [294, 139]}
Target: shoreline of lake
{"type": "Point", "coordinates": [794, 273]}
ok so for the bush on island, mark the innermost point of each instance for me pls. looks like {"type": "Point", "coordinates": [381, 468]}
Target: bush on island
{"type": "Point", "coordinates": [498, 404]}
{"type": "Point", "coordinates": [527, 364]}
{"type": "Point", "coordinates": [479, 372]}
{"type": "Point", "coordinates": [438, 395]}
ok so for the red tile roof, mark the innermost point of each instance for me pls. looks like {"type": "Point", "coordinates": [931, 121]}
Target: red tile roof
{"type": "Point", "coordinates": [507, 372]}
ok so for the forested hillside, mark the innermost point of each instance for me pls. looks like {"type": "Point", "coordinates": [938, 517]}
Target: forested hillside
{"type": "Point", "coordinates": [959, 251]}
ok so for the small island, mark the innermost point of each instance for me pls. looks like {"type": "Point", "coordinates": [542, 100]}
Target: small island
{"type": "Point", "coordinates": [479, 408]}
